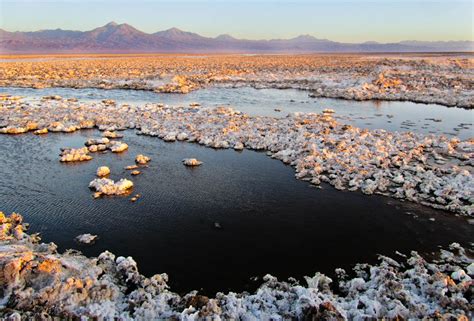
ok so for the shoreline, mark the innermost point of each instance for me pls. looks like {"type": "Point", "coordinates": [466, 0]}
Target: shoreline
{"type": "Point", "coordinates": [438, 79]}
{"type": "Point", "coordinates": [428, 169]}
{"type": "Point", "coordinates": [311, 93]}
{"type": "Point", "coordinates": [39, 281]}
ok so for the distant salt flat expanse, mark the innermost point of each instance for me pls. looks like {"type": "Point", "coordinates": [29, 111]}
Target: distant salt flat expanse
{"type": "Point", "coordinates": [388, 115]}
{"type": "Point", "coordinates": [269, 220]}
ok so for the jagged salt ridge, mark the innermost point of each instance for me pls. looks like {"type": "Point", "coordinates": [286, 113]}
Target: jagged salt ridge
{"type": "Point", "coordinates": [431, 170]}
{"type": "Point", "coordinates": [37, 281]}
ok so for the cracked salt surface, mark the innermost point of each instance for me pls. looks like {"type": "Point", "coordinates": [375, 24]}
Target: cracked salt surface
{"type": "Point", "coordinates": [269, 219]}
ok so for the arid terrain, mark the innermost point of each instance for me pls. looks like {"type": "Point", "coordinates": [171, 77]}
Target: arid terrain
{"type": "Point", "coordinates": [442, 79]}
{"type": "Point", "coordinates": [431, 171]}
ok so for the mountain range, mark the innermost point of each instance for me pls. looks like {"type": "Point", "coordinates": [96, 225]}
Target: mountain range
{"type": "Point", "coordinates": [123, 38]}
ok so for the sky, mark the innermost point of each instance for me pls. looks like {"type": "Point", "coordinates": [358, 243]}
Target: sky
{"type": "Point", "coordinates": [338, 20]}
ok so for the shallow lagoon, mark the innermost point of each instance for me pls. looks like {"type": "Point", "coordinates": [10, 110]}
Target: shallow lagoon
{"type": "Point", "coordinates": [271, 222]}
{"type": "Point", "coordinates": [388, 115]}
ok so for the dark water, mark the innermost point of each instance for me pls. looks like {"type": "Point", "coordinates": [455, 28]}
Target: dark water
{"type": "Point", "coordinates": [392, 116]}
{"type": "Point", "coordinates": [271, 222]}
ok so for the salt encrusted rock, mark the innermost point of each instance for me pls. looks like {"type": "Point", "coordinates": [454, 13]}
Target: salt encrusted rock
{"type": "Point", "coordinates": [13, 130]}
{"type": "Point", "coordinates": [131, 167]}
{"type": "Point", "coordinates": [99, 141]}
{"type": "Point", "coordinates": [37, 279]}
{"type": "Point", "coordinates": [135, 173]}
{"type": "Point", "coordinates": [239, 146]}
{"type": "Point", "coordinates": [470, 269]}
{"type": "Point", "coordinates": [103, 171]}
{"type": "Point", "coordinates": [182, 136]}
{"type": "Point", "coordinates": [107, 186]}
{"type": "Point", "coordinates": [86, 238]}
{"type": "Point", "coordinates": [109, 102]}
{"type": "Point", "coordinates": [53, 97]}
{"type": "Point", "coordinates": [41, 131]}
{"type": "Point", "coordinates": [75, 155]}
{"type": "Point", "coordinates": [191, 162]}
{"type": "Point", "coordinates": [97, 148]}
{"type": "Point", "coordinates": [117, 147]}
{"type": "Point", "coordinates": [111, 134]}
{"type": "Point", "coordinates": [170, 137]}
{"type": "Point", "coordinates": [142, 159]}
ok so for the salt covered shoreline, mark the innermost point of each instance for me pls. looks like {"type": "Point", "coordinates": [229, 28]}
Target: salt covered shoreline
{"type": "Point", "coordinates": [37, 281]}
{"type": "Point", "coordinates": [445, 80]}
{"type": "Point", "coordinates": [431, 170]}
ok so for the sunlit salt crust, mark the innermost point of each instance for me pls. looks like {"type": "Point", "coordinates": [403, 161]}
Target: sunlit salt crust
{"type": "Point", "coordinates": [103, 171]}
{"type": "Point", "coordinates": [106, 186]}
{"type": "Point", "coordinates": [191, 162]}
{"type": "Point", "coordinates": [432, 170]}
{"type": "Point", "coordinates": [445, 80]}
{"type": "Point", "coordinates": [142, 159]}
{"type": "Point", "coordinates": [39, 281]}
{"type": "Point", "coordinates": [86, 238]}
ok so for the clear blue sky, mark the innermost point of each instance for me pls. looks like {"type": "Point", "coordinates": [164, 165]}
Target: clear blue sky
{"type": "Point", "coordinates": [339, 20]}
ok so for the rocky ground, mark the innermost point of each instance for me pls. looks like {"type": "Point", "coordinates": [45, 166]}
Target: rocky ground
{"type": "Point", "coordinates": [37, 282]}
{"type": "Point", "coordinates": [445, 80]}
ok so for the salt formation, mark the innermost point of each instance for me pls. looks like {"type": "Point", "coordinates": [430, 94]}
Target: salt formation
{"type": "Point", "coordinates": [191, 162]}
{"type": "Point", "coordinates": [106, 186]}
{"type": "Point", "coordinates": [37, 281]}
{"type": "Point", "coordinates": [41, 131]}
{"type": "Point", "coordinates": [445, 80]}
{"type": "Point", "coordinates": [110, 134]}
{"type": "Point", "coordinates": [102, 144]}
{"type": "Point", "coordinates": [75, 155]}
{"type": "Point", "coordinates": [432, 170]}
{"type": "Point", "coordinates": [117, 147]}
{"type": "Point", "coordinates": [86, 238]}
{"type": "Point", "coordinates": [103, 171]}
{"type": "Point", "coordinates": [142, 159]}
{"type": "Point", "coordinates": [101, 141]}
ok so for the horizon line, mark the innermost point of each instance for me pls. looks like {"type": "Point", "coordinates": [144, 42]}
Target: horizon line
{"type": "Point", "coordinates": [235, 38]}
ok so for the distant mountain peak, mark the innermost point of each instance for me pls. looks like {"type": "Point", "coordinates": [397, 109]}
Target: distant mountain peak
{"type": "Point", "coordinates": [225, 37]}
{"type": "Point", "coordinates": [114, 37]}
{"type": "Point", "coordinates": [172, 32]}
{"type": "Point", "coordinates": [305, 37]}
{"type": "Point", "coordinates": [111, 24]}
{"type": "Point", "coordinates": [178, 35]}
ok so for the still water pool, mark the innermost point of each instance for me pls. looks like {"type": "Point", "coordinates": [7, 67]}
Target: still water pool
{"type": "Point", "coordinates": [271, 222]}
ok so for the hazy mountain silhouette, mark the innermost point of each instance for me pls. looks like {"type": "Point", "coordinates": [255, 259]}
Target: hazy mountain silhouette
{"type": "Point", "coordinates": [116, 38]}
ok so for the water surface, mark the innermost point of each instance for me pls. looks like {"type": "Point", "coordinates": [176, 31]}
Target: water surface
{"type": "Point", "coordinates": [388, 115]}
{"type": "Point", "coordinates": [271, 222]}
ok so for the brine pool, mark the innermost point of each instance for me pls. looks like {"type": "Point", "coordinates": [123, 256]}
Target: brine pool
{"type": "Point", "coordinates": [270, 222]}
{"type": "Point", "coordinates": [388, 115]}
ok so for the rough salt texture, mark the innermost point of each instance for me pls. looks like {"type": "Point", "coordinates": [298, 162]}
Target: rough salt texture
{"type": "Point", "coordinates": [446, 80]}
{"type": "Point", "coordinates": [431, 170]}
{"type": "Point", "coordinates": [142, 159]}
{"type": "Point", "coordinates": [191, 162]}
{"type": "Point", "coordinates": [86, 238]}
{"type": "Point", "coordinates": [107, 186]}
{"type": "Point", "coordinates": [75, 155]}
{"type": "Point", "coordinates": [103, 171]}
{"type": "Point", "coordinates": [37, 281]}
